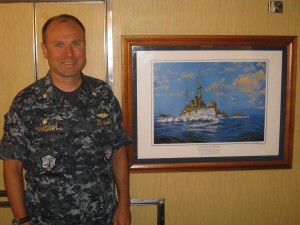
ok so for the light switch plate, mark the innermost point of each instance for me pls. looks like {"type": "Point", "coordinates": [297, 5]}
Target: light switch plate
{"type": "Point", "coordinates": [276, 6]}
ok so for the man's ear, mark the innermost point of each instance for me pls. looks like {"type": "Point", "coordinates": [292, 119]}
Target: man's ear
{"type": "Point", "coordinates": [44, 50]}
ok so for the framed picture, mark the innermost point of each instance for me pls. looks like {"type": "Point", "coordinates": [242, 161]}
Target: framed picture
{"type": "Point", "coordinates": [195, 103]}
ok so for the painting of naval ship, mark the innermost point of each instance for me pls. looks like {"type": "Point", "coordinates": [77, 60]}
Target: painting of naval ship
{"type": "Point", "coordinates": [207, 105]}
{"type": "Point", "coordinates": [195, 110]}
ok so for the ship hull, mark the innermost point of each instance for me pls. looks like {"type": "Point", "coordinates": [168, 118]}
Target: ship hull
{"type": "Point", "coordinates": [206, 114]}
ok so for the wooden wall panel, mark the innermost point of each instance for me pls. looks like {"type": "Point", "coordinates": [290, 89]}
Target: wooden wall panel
{"type": "Point", "coordinates": [260, 197]}
{"type": "Point", "coordinates": [16, 64]}
{"type": "Point", "coordinates": [92, 16]}
{"type": "Point", "coordinates": [147, 212]}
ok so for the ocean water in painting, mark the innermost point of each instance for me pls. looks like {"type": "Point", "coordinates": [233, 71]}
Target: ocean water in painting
{"type": "Point", "coordinates": [209, 102]}
{"type": "Point", "coordinates": [246, 129]}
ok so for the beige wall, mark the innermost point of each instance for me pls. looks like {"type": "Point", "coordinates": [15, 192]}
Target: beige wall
{"type": "Point", "coordinates": [259, 197]}
{"type": "Point", "coordinates": [12, 66]}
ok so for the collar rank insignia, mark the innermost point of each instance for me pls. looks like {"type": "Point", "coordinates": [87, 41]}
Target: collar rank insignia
{"type": "Point", "coordinates": [44, 121]}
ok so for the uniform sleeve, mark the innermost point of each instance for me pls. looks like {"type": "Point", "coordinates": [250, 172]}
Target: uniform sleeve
{"type": "Point", "coordinates": [13, 144]}
{"type": "Point", "coordinates": [123, 138]}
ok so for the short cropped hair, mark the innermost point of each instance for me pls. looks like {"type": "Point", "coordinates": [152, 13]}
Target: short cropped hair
{"type": "Point", "coordinates": [61, 18]}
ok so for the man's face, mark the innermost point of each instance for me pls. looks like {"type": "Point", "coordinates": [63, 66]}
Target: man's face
{"type": "Point", "coordinates": [64, 48]}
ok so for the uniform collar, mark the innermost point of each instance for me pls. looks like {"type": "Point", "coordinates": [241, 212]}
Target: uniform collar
{"type": "Point", "coordinates": [50, 90]}
{"type": "Point", "coordinates": [48, 81]}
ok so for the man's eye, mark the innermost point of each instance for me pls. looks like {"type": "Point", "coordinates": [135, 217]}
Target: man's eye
{"type": "Point", "coordinates": [58, 45]}
{"type": "Point", "coordinates": [77, 44]}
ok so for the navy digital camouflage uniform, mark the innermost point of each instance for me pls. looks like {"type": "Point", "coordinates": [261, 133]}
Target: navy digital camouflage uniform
{"type": "Point", "coordinates": [66, 151]}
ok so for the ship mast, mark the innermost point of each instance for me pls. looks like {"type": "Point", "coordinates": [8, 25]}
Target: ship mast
{"type": "Point", "coordinates": [199, 86]}
{"type": "Point", "coordinates": [199, 89]}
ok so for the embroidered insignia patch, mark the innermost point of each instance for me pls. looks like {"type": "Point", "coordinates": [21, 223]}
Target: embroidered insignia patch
{"type": "Point", "coordinates": [48, 162]}
{"type": "Point", "coordinates": [46, 127]}
{"type": "Point", "coordinates": [102, 115]}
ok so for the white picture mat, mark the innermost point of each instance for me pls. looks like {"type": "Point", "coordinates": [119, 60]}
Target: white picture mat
{"type": "Point", "coordinates": [145, 146]}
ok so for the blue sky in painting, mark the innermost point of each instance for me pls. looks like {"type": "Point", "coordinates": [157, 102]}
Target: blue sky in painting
{"type": "Point", "coordinates": [237, 87]}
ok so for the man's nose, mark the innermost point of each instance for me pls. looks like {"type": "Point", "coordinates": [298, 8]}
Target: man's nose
{"type": "Point", "coordinates": [69, 51]}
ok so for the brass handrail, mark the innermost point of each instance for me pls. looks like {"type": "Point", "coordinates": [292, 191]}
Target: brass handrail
{"type": "Point", "coordinates": [6, 202]}
{"type": "Point", "coordinates": [160, 204]}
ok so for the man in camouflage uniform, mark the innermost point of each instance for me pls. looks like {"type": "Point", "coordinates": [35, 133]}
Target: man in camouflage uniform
{"type": "Point", "coordinates": [65, 131]}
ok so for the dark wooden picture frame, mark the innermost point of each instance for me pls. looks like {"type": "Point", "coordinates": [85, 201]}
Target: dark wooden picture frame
{"type": "Point", "coordinates": [140, 55]}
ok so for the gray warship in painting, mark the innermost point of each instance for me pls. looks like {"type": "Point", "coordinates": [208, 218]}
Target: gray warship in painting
{"type": "Point", "coordinates": [196, 110]}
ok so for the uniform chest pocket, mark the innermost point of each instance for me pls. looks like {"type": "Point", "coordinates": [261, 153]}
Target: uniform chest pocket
{"type": "Point", "coordinates": [103, 135]}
